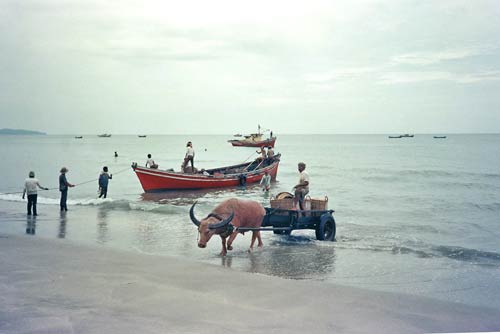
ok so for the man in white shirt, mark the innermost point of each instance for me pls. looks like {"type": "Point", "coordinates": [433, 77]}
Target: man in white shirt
{"type": "Point", "coordinates": [30, 188]}
{"type": "Point", "coordinates": [302, 188]}
{"type": "Point", "coordinates": [189, 156]}
{"type": "Point", "coordinates": [151, 163]}
{"type": "Point", "coordinates": [265, 182]}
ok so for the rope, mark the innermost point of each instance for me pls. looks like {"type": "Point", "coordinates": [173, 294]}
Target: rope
{"type": "Point", "coordinates": [249, 156]}
{"type": "Point", "coordinates": [77, 184]}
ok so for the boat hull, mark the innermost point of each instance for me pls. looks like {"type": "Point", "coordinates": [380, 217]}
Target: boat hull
{"type": "Point", "coordinates": [249, 143]}
{"type": "Point", "coordinates": [156, 180]}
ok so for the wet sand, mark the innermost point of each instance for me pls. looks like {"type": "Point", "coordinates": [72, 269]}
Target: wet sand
{"type": "Point", "coordinates": [54, 286]}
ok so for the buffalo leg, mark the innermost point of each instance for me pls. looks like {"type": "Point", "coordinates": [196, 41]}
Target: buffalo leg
{"type": "Point", "coordinates": [256, 236]}
{"type": "Point", "coordinates": [231, 239]}
{"type": "Point", "coordinates": [224, 250]}
{"type": "Point", "coordinates": [259, 239]}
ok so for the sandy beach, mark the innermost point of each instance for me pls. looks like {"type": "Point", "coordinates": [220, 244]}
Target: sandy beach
{"type": "Point", "coordinates": [53, 286]}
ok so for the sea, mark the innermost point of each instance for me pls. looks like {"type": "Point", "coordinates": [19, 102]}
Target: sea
{"type": "Point", "coordinates": [418, 216]}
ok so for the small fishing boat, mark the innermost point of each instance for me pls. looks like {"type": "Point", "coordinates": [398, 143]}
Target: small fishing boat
{"type": "Point", "coordinates": [407, 136]}
{"type": "Point", "coordinates": [392, 137]}
{"type": "Point", "coordinates": [254, 140]}
{"type": "Point", "coordinates": [104, 135]}
{"type": "Point", "coordinates": [157, 180]}
{"type": "Point", "coordinates": [439, 137]}
{"type": "Point", "coordinates": [238, 135]}
{"type": "Point", "coordinates": [141, 136]}
{"type": "Point", "coordinates": [78, 137]}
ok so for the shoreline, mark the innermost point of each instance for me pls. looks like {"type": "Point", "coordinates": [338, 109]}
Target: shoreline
{"type": "Point", "coordinates": [55, 286]}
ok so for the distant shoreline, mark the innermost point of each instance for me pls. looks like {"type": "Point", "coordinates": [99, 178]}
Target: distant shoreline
{"type": "Point", "coordinates": [16, 132]}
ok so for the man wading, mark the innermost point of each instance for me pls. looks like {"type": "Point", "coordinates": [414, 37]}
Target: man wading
{"type": "Point", "coordinates": [103, 182]}
{"type": "Point", "coordinates": [63, 188]}
{"type": "Point", "coordinates": [30, 187]}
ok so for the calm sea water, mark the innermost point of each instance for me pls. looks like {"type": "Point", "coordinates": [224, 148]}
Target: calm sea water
{"type": "Point", "coordinates": [414, 215]}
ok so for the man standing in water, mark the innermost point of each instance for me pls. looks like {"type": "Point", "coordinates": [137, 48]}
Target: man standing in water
{"type": "Point", "coordinates": [30, 187]}
{"type": "Point", "coordinates": [63, 188]}
{"type": "Point", "coordinates": [103, 182]}
{"type": "Point", "coordinates": [302, 188]}
{"type": "Point", "coordinates": [265, 182]}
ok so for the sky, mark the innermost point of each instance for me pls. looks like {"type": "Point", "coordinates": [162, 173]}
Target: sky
{"type": "Point", "coordinates": [222, 67]}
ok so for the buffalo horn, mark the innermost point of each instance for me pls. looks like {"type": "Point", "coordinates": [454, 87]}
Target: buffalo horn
{"type": "Point", "coordinates": [222, 223]}
{"type": "Point", "coordinates": [191, 215]}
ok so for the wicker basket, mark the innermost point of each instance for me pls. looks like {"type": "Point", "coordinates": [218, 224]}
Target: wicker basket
{"type": "Point", "coordinates": [319, 204]}
{"type": "Point", "coordinates": [284, 203]}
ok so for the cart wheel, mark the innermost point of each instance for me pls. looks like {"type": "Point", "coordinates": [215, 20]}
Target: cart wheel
{"type": "Point", "coordinates": [326, 228]}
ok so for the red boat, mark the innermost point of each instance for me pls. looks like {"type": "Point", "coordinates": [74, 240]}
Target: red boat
{"type": "Point", "coordinates": [156, 180]}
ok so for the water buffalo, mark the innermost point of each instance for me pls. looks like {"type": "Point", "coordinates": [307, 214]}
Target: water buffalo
{"type": "Point", "coordinates": [225, 219]}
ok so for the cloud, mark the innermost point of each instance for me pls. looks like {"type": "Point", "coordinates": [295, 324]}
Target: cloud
{"type": "Point", "coordinates": [433, 57]}
{"type": "Point", "coordinates": [407, 77]}
{"type": "Point", "coordinates": [340, 73]}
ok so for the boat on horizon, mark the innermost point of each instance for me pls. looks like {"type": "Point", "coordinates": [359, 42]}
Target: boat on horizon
{"type": "Point", "coordinates": [141, 136]}
{"type": "Point", "coordinates": [158, 180]}
{"type": "Point", "coordinates": [439, 137]}
{"type": "Point", "coordinates": [104, 135]}
{"type": "Point", "coordinates": [406, 135]}
{"type": "Point", "coordinates": [392, 137]}
{"type": "Point", "coordinates": [78, 137]}
{"type": "Point", "coordinates": [254, 140]}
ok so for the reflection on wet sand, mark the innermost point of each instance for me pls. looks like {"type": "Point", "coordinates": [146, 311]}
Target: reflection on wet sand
{"type": "Point", "coordinates": [295, 257]}
{"type": "Point", "coordinates": [288, 259]}
{"type": "Point", "coordinates": [62, 225]}
{"type": "Point", "coordinates": [227, 261]}
{"type": "Point", "coordinates": [102, 225]}
{"type": "Point", "coordinates": [31, 225]}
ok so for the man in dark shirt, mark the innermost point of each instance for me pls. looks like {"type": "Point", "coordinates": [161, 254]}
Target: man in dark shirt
{"type": "Point", "coordinates": [103, 182]}
{"type": "Point", "coordinates": [63, 188]}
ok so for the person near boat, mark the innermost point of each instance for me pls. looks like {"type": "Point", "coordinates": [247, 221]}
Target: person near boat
{"type": "Point", "coordinates": [103, 182]}
{"type": "Point", "coordinates": [150, 162]}
{"type": "Point", "coordinates": [265, 182]}
{"type": "Point", "coordinates": [30, 188]}
{"type": "Point", "coordinates": [189, 157]}
{"type": "Point", "coordinates": [302, 188]}
{"type": "Point", "coordinates": [270, 152]}
{"type": "Point", "coordinates": [63, 188]}
{"type": "Point", "coordinates": [262, 152]}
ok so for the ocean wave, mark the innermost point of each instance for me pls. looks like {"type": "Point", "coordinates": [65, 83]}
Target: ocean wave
{"type": "Point", "coordinates": [466, 254]}
{"type": "Point", "coordinates": [495, 207]}
{"type": "Point", "coordinates": [108, 203]}
{"type": "Point", "coordinates": [380, 172]}
{"type": "Point", "coordinates": [470, 255]}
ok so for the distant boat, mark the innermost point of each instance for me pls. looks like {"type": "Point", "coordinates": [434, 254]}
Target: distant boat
{"type": "Point", "coordinates": [254, 140]}
{"type": "Point", "coordinates": [395, 136]}
{"type": "Point", "coordinates": [104, 135]}
{"type": "Point", "coordinates": [238, 135]}
{"type": "Point", "coordinates": [439, 137]}
{"type": "Point", "coordinates": [141, 136]}
{"type": "Point", "coordinates": [407, 136]}
{"type": "Point", "coordinates": [78, 137]}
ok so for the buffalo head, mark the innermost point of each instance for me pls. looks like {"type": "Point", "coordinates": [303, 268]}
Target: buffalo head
{"type": "Point", "coordinates": [207, 227]}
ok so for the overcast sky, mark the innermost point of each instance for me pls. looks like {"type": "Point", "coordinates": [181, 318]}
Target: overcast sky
{"type": "Point", "coordinates": [173, 67]}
